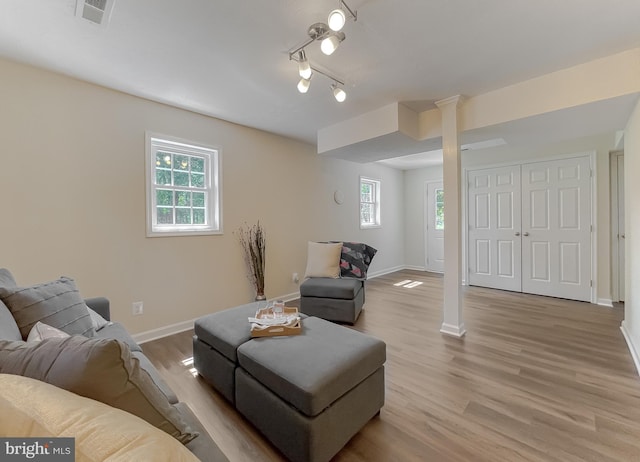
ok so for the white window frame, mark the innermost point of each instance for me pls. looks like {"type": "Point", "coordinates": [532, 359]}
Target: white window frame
{"type": "Point", "coordinates": [376, 203]}
{"type": "Point", "coordinates": [212, 187]}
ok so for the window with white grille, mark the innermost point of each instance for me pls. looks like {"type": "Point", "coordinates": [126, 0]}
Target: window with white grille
{"type": "Point", "coordinates": [183, 188]}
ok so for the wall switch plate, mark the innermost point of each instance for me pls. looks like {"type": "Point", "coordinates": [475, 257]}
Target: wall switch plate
{"type": "Point", "coordinates": [137, 308]}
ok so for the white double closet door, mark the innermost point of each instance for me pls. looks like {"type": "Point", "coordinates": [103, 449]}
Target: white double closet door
{"type": "Point", "coordinates": [530, 228]}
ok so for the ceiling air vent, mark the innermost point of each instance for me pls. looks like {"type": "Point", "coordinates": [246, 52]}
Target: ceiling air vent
{"type": "Point", "coordinates": [96, 11]}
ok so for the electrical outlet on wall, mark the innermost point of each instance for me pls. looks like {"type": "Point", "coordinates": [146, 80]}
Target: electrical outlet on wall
{"type": "Point", "coordinates": [137, 308]}
{"type": "Point", "coordinates": [295, 278]}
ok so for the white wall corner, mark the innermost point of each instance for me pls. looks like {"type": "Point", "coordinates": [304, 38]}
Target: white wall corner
{"type": "Point", "coordinates": [408, 122]}
{"type": "Point", "coordinates": [633, 348]}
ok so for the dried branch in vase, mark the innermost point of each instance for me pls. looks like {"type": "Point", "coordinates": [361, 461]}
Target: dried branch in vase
{"type": "Point", "coordinates": [252, 240]}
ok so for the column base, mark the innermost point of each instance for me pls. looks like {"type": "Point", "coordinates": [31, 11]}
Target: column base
{"type": "Point", "coordinates": [455, 331]}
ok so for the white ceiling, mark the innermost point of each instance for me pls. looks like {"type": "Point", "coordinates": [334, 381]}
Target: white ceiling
{"type": "Point", "coordinates": [228, 58]}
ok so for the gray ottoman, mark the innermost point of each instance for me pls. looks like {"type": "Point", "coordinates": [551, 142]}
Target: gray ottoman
{"type": "Point", "coordinates": [216, 340]}
{"type": "Point", "coordinates": [309, 394]}
{"type": "Point", "coordinates": [338, 299]}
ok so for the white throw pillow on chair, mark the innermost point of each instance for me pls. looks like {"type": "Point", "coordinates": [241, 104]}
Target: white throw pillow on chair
{"type": "Point", "coordinates": [323, 260]}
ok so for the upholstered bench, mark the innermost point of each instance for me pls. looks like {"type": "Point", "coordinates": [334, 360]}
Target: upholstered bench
{"type": "Point", "coordinates": [309, 394]}
{"type": "Point", "coordinates": [338, 299]}
{"type": "Point", "coordinates": [215, 344]}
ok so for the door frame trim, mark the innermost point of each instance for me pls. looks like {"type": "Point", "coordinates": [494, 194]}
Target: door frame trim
{"type": "Point", "coordinates": [613, 173]}
{"type": "Point", "coordinates": [426, 221]}
{"type": "Point", "coordinates": [594, 208]}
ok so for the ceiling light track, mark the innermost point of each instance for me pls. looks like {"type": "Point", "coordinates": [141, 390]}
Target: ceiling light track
{"type": "Point", "coordinates": [330, 36]}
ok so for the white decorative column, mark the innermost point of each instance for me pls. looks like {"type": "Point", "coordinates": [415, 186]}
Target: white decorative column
{"type": "Point", "coordinates": [452, 323]}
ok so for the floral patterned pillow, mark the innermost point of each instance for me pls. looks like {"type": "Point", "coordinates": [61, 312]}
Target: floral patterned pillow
{"type": "Point", "coordinates": [355, 260]}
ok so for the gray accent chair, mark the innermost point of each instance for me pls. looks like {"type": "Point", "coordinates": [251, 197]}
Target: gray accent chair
{"type": "Point", "coordinates": [338, 300]}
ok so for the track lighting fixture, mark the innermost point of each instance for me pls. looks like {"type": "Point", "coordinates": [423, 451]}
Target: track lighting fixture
{"type": "Point", "coordinates": [304, 84]}
{"type": "Point", "coordinates": [304, 69]}
{"type": "Point", "coordinates": [330, 43]}
{"type": "Point", "coordinates": [330, 36]}
{"type": "Point", "coordinates": [338, 93]}
{"type": "Point", "coordinates": [336, 20]}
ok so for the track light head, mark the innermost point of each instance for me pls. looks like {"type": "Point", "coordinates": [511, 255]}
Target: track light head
{"type": "Point", "coordinates": [330, 43]}
{"type": "Point", "coordinates": [303, 85]}
{"type": "Point", "coordinates": [338, 93]}
{"type": "Point", "coordinates": [304, 68]}
{"type": "Point", "coordinates": [336, 20]}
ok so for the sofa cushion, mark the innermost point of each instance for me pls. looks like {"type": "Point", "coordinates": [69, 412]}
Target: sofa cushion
{"type": "Point", "coordinates": [41, 331]}
{"type": "Point", "coordinates": [31, 408]}
{"type": "Point", "coordinates": [345, 288]}
{"type": "Point", "coordinates": [100, 369]}
{"type": "Point", "coordinates": [117, 331]}
{"type": "Point", "coordinates": [97, 321]}
{"type": "Point", "coordinates": [56, 303]}
{"type": "Point", "coordinates": [8, 328]}
{"type": "Point", "coordinates": [312, 370]}
{"type": "Point", "coordinates": [323, 260]}
{"type": "Point", "coordinates": [155, 376]}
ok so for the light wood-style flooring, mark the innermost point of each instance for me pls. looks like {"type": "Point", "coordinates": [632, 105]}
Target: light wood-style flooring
{"type": "Point", "coordinates": [534, 379]}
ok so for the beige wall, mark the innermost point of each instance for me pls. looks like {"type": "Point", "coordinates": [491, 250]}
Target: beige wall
{"type": "Point", "coordinates": [72, 185]}
{"type": "Point", "coordinates": [414, 186]}
{"type": "Point", "coordinates": [631, 323]}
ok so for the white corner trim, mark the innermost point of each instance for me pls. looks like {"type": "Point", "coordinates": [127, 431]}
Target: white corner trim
{"type": "Point", "coordinates": [632, 348]}
{"type": "Point", "coordinates": [165, 331]}
{"type": "Point", "coordinates": [605, 302]}
{"type": "Point", "coordinates": [455, 331]}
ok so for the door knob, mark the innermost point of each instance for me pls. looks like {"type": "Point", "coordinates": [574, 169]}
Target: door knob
{"type": "Point", "coordinates": [622, 236]}
{"type": "Point", "coordinates": [525, 233]}
{"type": "Point", "coordinates": [517, 233]}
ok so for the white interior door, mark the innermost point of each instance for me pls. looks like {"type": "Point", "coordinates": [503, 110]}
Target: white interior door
{"type": "Point", "coordinates": [620, 236]}
{"type": "Point", "coordinates": [494, 228]}
{"type": "Point", "coordinates": [556, 228]}
{"type": "Point", "coordinates": [435, 227]}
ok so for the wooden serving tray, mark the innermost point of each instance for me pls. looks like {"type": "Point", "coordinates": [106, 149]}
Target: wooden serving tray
{"type": "Point", "coordinates": [274, 331]}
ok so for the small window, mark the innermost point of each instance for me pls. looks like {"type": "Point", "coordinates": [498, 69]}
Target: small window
{"type": "Point", "coordinates": [439, 208]}
{"type": "Point", "coordinates": [369, 203]}
{"type": "Point", "coordinates": [183, 188]}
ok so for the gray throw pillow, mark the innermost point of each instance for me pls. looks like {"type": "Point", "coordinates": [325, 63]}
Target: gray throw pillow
{"type": "Point", "coordinates": [6, 278]}
{"type": "Point", "coordinates": [56, 303]}
{"type": "Point", "coordinates": [100, 369]}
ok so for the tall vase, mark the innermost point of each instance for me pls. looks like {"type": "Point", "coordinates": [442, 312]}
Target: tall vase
{"type": "Point", "coordinates": [260, 296]}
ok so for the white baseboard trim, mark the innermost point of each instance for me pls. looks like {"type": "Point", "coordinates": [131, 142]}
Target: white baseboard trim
{"type": "Point", "coordinates": [379, 273]}
{"type": "Point", "coordinates": [605, 302]}
{"type": "Point", "coordinates": [415, 268]}
{"type": "Point", "coordinates": [632, 347]}
{"type": "Point", "coordinates": [182, 326]}
{"type": "Point", "coordinates": [155, 334]}
{"type": "Point", "coordinates": [165, 331]}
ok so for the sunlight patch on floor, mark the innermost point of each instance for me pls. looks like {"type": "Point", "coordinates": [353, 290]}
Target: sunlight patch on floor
{"type": "Point", "coordinates": [408, 284]}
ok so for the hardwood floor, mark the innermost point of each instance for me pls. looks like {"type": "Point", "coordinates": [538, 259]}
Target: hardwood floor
{"type": "Point", "coordinates": [534, 379]}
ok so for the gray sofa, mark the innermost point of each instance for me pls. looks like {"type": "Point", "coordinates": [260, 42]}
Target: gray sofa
{"type": "Point", "coordinates": [202, 446]}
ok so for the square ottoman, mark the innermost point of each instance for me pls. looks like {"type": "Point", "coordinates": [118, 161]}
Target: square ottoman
{"type": "Point", "coordinates": [339, 299]}
{"type": "Point", "coordinates": [309, 394]}
{"type": "Point", "coordinates": [216, 340]}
